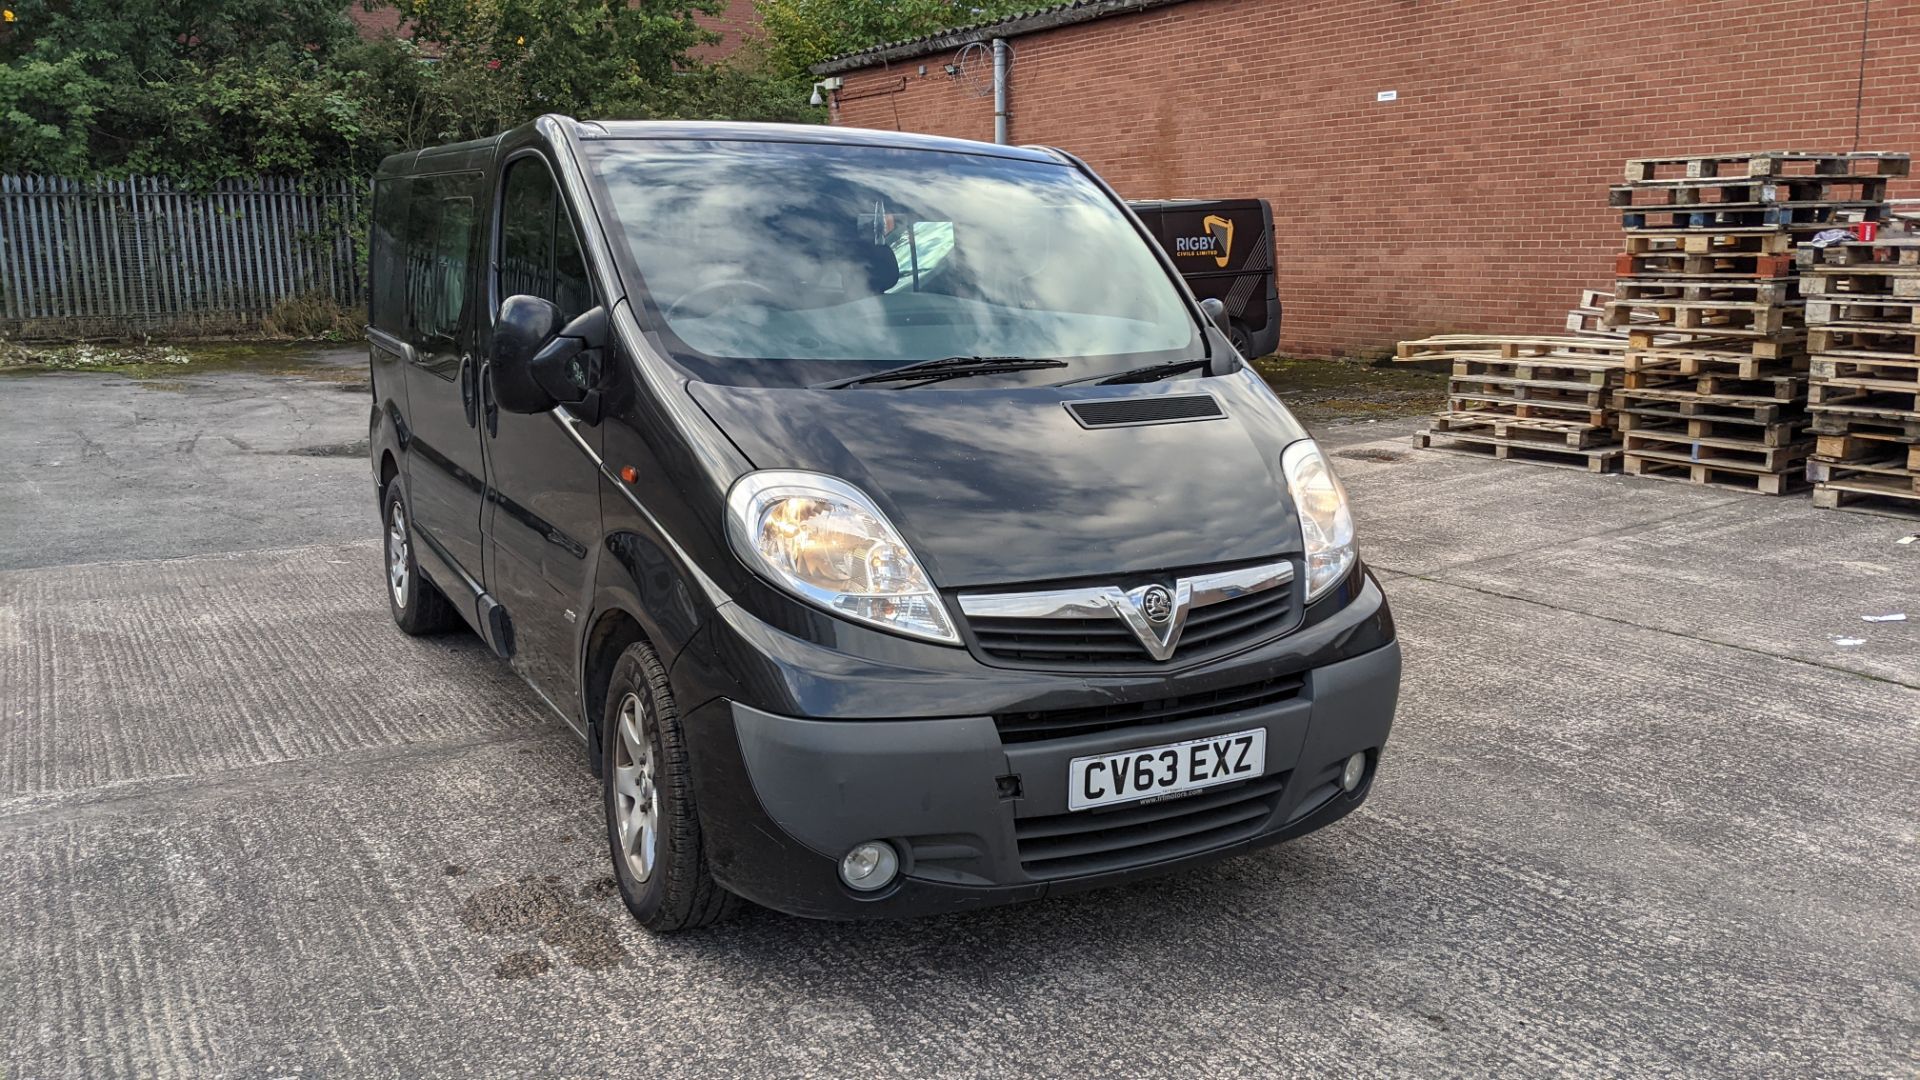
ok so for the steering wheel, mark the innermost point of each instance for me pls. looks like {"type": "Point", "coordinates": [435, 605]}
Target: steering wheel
{"type": "Point", "coordinates": [674, 309]}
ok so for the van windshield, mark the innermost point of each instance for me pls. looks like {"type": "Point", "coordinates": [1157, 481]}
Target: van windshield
{"type": "Point", "coordinates": [779, 263]}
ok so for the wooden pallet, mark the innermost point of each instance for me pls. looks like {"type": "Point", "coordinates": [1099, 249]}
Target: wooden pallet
{"type": "Point", "coordinates": [1891, 472]}
{"type": "Point", "coordinates": [1864, 339]}
{"type": "Point", "coordinates": [1887, 251]}
{"type": "Point", "coordinates": [1875, 394]}
{"type": "Point", "coordinates": [1893, 312]}
{"type": "Point", "coordinates": [1721, 455]}
{"type": "Point", "coordinates": [1689, 429]}
{"type": "Point", "coordinates": [1898, 370]}
{"type": "Point", "coordinates": [1510, 346]}
{"type": "Point", "coordinates": [1581, 412]}
{"type": "Point", "coordinates": [1867, 495]}
{"type": "Point", "coordinates": [1661, 264]}
{"type": "Point", "coordinates": [1842, 284]}
{"type": "Point", "coordinates": [1868, 445]}
{"type": "Point", "coordinates": [1707, 318]}
{"type": "Point", "coordinates": [1718, 193]}
{"type": "Point", "coordinates": [1765, 163]}
{"type": "Point", "coordinates": [1720, 217]}
{"type": "Point", "coordinates": [1660, 468]}
{"type": "Point", "coordinates": [1658, 290]}
{"type": "Point", "coordinates": [1595, 460]}
{"type": "Point", "coordinates": [1692, 405]}
{"type": "Point", "coordinates": [1745, 359]}
{"type": "Point", "coordinates": [1723, 243]}
{"type": "Point", "coordinates": [1569, 371]}
{"type": "Point", "coordinates": [1774, 387]}
{"type": "Point", "coordinates": [1897, 424]}
{"type": "Point", "coordinates": [1519, 429]}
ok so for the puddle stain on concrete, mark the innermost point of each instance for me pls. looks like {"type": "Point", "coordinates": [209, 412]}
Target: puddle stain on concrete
{"type": "Point", "coordinates": [345, 450]}
{"type": "Point", "coordinates": [540, 907]}
{"type": "Point", "coordinates": [522, 964]}
{"type": "Point", "coordinates": [1365, 454]}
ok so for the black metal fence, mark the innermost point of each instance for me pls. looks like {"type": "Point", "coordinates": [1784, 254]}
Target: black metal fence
{"type": "Point", "coordinates": [121, 258]}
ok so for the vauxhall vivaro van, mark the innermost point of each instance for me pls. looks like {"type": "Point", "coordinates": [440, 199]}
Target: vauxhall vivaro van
{"type": "Point", "coordinates": [883, 511]}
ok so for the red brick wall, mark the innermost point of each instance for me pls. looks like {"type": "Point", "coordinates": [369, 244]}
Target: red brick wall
{"type": "Point", "coordinates": [735, 23]}
{"type": "Point", "coordinates": [1478, 200]}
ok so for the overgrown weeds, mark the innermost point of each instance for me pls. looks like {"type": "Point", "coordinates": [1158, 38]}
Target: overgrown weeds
{"type": "Point", "coordinates": [313, 316]}
{"type": "Point", "coordinates": [86, 356]}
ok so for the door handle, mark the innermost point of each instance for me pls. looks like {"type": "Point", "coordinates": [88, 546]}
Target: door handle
{"type": "Point", "coordinates": [488, 405]}
{"type": "Point", "coordinates": [468, 403]}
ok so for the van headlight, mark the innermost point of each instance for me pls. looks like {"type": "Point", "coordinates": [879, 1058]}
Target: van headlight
{"type": "Point", "coordinates": [1326, 525]}
{"type": "Point", "coordinates": [825, 542]}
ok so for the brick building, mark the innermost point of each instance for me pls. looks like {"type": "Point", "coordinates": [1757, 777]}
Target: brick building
{"type": "Point", "coordinates": [1434, 165]}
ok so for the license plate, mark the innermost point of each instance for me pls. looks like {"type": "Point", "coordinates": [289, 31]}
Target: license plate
{"type": "Point", "coordinates": [1154, 771]}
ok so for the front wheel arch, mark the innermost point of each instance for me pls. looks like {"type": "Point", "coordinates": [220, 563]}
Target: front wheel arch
{"type": "Point", "coordinates": [613, 630]}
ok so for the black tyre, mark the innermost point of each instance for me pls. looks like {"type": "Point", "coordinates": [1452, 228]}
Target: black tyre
{"type": "Point", "coordinates": [1242, 341]}
{"type": "Point", "coordinates": [419, 607]}
{"type": "Point", "coordinates": [653, 828]}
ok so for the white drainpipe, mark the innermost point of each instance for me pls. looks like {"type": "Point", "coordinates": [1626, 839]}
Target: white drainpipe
{"type": "Point", "coordinates": [1000, 90]}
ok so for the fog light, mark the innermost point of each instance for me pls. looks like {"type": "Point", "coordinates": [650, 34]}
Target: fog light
{"type": "Point", "coordinates": [869, 866]}
{"type": "Point", "coordinates": [1349, 776]}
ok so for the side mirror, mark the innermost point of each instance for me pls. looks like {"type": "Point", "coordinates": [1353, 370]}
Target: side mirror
{"type": "Point", "coordinates": [1215, 310]}
{"type": "Point", "coordinates": [567, 368]}
{"type": "Point", "coordinates": [526, 325]}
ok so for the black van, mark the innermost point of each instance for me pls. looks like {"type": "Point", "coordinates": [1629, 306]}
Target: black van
{"type": "Point", "coordinates": [893, 525]}
{"type": "Point", "coordinates": [1224, 248]}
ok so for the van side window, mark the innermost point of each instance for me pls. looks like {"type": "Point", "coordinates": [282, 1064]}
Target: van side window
{"type": "Point", "coordinates": [441, 309]}
{"type": "Point", "coordinates": [387, 257]}
{"type": "Point", "coordinates": [539, 249]}
{"type": "Point", "coordinates": [439, 246]}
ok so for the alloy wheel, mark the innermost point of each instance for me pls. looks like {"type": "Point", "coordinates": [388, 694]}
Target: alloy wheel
{"type": "Point", "coordinates": [398, 576]}
{"type": "Point", "coordinates": [636, 802]}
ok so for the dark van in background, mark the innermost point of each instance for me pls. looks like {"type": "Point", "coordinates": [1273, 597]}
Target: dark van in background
{"type": "Point", "coordinates": [892, 524]}
{"type": "Point", "coordinates": [1224, 249]}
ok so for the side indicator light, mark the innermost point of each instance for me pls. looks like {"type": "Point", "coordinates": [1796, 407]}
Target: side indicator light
{"type": "Point", "coordinates": [629, 474]}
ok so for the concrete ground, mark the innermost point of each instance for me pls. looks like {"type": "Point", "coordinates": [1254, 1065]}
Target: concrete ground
{"type": "Point", "coordinates": [1649, 808]}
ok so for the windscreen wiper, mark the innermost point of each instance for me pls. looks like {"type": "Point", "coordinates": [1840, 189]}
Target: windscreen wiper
{"type": "Point", "coordinates": [1149, 373]}
{"type": "Point", "coordinates": [947, 367]}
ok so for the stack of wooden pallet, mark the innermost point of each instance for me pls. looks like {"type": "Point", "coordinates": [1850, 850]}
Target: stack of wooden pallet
{"type": "Point", "coordinates": [1715, 389]}
{"type": "Point", "coordinates": [1539, 399]}
{"type": "Point", "coordinates": [1863, 314]}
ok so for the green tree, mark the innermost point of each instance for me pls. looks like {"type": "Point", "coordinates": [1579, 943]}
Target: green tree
{"type": "Point", "coordinates": [801, 33]}
{"type": "Point", "coordinates": [189, 87]}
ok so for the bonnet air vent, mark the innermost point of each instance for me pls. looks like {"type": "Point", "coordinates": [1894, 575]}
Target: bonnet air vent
{"type": "Point", "coordinates": [1130, 412]}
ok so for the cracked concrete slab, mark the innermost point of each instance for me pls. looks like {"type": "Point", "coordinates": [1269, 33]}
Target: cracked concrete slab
{"type": "Point", "coordinates": [99, 467]}
{"type": "Point", "coordinates": [1773, 575]}
{"type": "Point", "coordinates": [130, 670]}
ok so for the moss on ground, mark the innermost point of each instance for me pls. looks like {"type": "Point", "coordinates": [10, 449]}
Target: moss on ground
{"type": "Point", "coordinates": [1319, 390]}
{"type": "Point", "coordinates": [159, 362]}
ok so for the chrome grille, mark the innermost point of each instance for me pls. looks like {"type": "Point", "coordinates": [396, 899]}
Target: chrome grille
{"type": "Point", "coordinates": [1208, 614]}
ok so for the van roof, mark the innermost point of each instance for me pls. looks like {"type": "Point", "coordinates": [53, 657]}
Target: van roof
{"type": "Point", "coordinates": [810, 133]}
{"type": "Point", "coordinates": [475, 153]}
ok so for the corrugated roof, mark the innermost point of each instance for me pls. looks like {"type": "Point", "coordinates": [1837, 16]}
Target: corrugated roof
{"type": "Point", "coordinates": [1078, 11]}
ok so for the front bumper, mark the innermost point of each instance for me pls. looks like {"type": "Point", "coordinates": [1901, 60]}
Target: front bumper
{"type": "Point", "coordinates": [979, 821]}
